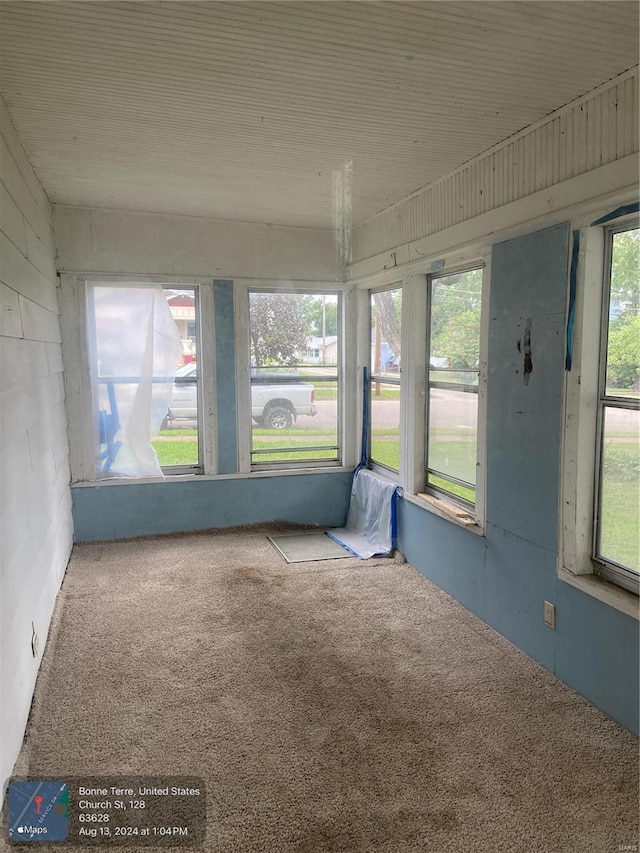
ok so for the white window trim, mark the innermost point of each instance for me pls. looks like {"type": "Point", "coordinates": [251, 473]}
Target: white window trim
{"type": "Point", "coordinates": [581, 404]}
{"type": "Point", "coordinates": [378, 468]}
{"type": "Point", "coordinates": [77, 371]}
{"type": "Point", "coordinates": [414, 374]}
{"type": "Point", "coordinates": [474, 518]}
{"type": "Point", "coordinates": [347, 411]}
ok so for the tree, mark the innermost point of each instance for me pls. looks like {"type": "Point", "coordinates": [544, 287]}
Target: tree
{"type": "Point", "coordinates": [459, 340]}
{"type": "Point", "coordinates": [388, 312]}
{"type": "Point", "coordinates": [625, 277]}
{"type": "Point", "coordinates": [623, 350]}
{"type": "Point", "coordinates": [455, 319]}
{"type": "Point", "coordinates": [312, 308]}
{"type": "Point", "coordinates": [277, 329]}
{"type": "Point", "coordinates": [623, 356]}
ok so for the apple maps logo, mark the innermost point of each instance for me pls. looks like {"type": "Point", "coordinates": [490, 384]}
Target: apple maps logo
{"type": "Point", "coordinates": [38, 811]}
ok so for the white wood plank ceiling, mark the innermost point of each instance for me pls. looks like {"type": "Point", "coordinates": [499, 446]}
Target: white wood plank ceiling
{"type": "Point", "coordinates": [245, 110]}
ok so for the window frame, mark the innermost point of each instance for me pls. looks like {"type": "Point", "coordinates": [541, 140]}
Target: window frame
{"type": "Point", "coordinates": [78, 380]}
{"type": "Point", "coordinates": [608, 569]}
{"type": "Point", "coordinates": [472, 512]}
{"type": "Point", "coordinates": [345, 397]}
{"type": "Point", "coordinates": [174, 470]}
{"type": "Point", "coordinates": [385, 379]}
{"type": "Point", "coordinates": [577, 497]}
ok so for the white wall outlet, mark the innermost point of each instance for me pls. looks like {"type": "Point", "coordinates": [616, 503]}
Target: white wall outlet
{"type": "Point", "coordinates": [550, 615]}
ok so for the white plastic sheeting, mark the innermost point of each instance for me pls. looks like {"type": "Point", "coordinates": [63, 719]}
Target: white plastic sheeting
{"type": "Point", "coordinates": [134, 349]}
{"type": "Point", "coordinates": [370, 529]}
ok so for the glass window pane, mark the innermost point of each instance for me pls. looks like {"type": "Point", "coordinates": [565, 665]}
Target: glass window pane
{"type": "Point", "coordinates": [292, 411]}
{"type": "Point", "coordinates": [177, 441]}
{"type": "Point", "coordinates": [294, 377]}
{"type": "Point", "coordinates": [623, 344]}
{"type": "Point", "coordinates": [453, 433]}
{"type": "Point", "coordinates": [619, 522]}
{"type": "Point", "coordinates": [385, 425]}
{"type": "Point", "coordinates": [386, 331]}
{"type": "Point", "coordinates": [455, 320]}
{"type": "Point", "coordinates": [135, 347]}
{"type": "Point", "coordinates": [459, 377]}
{"type": "Point", "coordinates": [465, 492]}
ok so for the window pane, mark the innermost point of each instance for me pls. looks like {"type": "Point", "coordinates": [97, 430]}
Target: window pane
{"type": "Point", "coordinates": [459, 377]}
{"type": "Point", "coordinates": [134, 349]}
{"type": "Point", "coordinates": [385, 425]}
{"type": "Point", "coordinates": [177, 441]}
{"type": "Point", "coordinates": [619, 537]}
{"type": "Point", "coordinates": [623, 344]}
{"type": "Point", "coordinates": [386, 332]}
{"type": "Point", "coordinates": [455, 320]}
{"type": "Point", "coordinates": [442, 484]}
{"type": "Point", "coordinates": [453, 433]}
{"type": "Point", "coordinates": [294, 377]}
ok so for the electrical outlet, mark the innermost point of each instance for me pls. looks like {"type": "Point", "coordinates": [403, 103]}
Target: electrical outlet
{"type": "Point", "coordinates": [550, 615]}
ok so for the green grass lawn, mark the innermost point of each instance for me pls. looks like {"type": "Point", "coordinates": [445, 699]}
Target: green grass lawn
{"type": "Point", "coordinates": [284, 456]}
{"type": "Point", "coordinates": [620, 521]}
{"type": "Point", "coordinates": [457, 458]}
{"type": "Point", "coordinates": [385, 448]}
{"type": "Point", "coordinates": [176, 452]}
{"type": "Point", "coordinates": [329, 391]}
{"type": "Point", "coordinates": [326, 392]}
{"type": "Point", "coordinates": [453, 488]}
{"type": "Point", "coordinates": [288, 440]}
{"type": "Point", "coordinates": [384, 393]}
{"type": "Point", "coordinates": [180, 446]}
{"type": "Point", "coordinates": [452, 456]}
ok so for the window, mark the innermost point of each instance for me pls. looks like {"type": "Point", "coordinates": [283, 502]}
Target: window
{"type": "Point", "coordinates": [386, 359]}
{"type": "Point", "coordinates": [616, 545]}
{"type": "Point", "coordinates": [453, 360]}
{"type": "Point", "coordinates": [143, 351]}
{"type": "Point", "coordinates": [295, 357]}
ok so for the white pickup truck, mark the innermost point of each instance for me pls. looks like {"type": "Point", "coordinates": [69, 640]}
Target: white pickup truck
{"type": "Point", "coordinates": [276, 399]}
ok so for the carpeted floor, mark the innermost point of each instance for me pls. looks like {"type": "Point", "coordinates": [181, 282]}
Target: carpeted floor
{"type": "Point", "coordinates": [330, 706]}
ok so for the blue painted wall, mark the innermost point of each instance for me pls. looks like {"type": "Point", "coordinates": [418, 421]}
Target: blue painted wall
{"type": "Point", "coordinates": [505, 577]}
{"type": "Point", "coordinates": [119, 511]}
{"type": "Point", "coordinates": [524, 406]}
{"type": "Point", "coordinates": [226, 400]}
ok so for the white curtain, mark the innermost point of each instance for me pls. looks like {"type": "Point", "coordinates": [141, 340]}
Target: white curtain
{"type": "Point", "coordinates": [135, 349]}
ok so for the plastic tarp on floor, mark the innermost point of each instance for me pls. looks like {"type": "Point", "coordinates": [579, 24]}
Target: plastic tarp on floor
{"type": "Point", "coordinates": [371, 522]}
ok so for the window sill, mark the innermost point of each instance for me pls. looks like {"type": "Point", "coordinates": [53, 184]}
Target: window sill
{"type": "Point", "coordinates": [447, 510]}
{"type": "Point", "coordinates": [616, 597]}
{"type": "Point", "coordinates": [199, 478]}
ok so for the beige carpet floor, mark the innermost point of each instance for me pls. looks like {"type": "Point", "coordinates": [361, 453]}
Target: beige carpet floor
{"type": "Point", "coordinates": [330, 706]}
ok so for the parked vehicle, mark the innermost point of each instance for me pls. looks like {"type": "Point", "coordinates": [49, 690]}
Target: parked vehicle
{"type": "Point", "coordinates": [276, 399]}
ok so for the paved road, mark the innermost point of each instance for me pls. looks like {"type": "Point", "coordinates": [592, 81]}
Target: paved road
{"type": "Point", "coordinates": [454, 409]}
{"type": "Point", "coordinates": [386, 413]}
